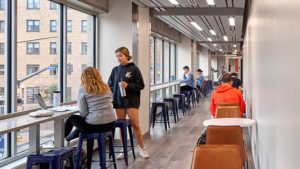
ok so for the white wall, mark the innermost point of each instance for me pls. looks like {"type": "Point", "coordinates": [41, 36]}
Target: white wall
{"type": "Point", "coordinates": [271, 80]}
{"type": "Point", "coordinates": [214, 64]}
{"type": "Point", "coordinates": [144, 65]}
{"type": "Point", "coordinates": [184, 55]}
{"type": "Point", "coordinates": [115, 30]}
{"type": "Point", "coordinates": [204, 61]}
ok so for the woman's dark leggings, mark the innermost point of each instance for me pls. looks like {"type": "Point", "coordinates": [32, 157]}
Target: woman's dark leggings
{"type": "Point", "coordinates": [82, 126]}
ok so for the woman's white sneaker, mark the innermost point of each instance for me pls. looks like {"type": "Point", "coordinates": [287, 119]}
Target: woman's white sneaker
{"type": "Point", "coordinates": [120, 156]}
{"type": "Point", "coordinates": [143, 153]}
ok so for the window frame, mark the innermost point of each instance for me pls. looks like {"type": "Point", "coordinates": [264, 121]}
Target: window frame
{"type": "Point", "coordinates": [53, 6]}
{"type": "Point", "coordinates": [2, 48]}
{"type": "Point", "coordinates": [33, 48]}
{"type": "Point", "coordinates": [83, 48]}
{"type": "Point", "coordinates": [84, 27]}
{"type": "Point", "coordinates": [32, 66]}
{"type": "Point", "coordinates": [2, 26]}
{"type": "Point", "coordinates": [35, 4]}
{"type": "Point", "coordinates": [69, 26]}
{"type": "Point", "coordinates": [51, 52]}
{"type": "Point", "coordinates": [33, 25]}
{"type": "Point", "coordinates": [51, 26]}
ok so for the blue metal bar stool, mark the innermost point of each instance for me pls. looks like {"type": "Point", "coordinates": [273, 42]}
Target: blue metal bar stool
{"type": "Point", "coordinates": [165, 113]}
{"type": "Point", "coordinates": [101, 139]}
{"type": "Point", "coordinates": [123, 124]}
{"type": "Point", "coordinates": [181, 98]}
{"type": "Point", "coordinates": [173, 101]}
{"type": "Point", "coordinates": [55, 157]}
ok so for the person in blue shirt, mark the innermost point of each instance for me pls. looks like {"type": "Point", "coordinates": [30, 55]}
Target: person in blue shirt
{"type": "Point", "coordinates": [188, 81]}
{"type": "Point", "coordinates": [199, 78]}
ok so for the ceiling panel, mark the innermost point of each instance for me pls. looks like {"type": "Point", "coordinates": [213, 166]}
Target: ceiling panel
{"type": "Point", "coordinates": [220, 24]}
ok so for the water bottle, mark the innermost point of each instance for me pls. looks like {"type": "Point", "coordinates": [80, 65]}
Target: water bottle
{"type": "Point", "coordinates": [56, 98]}
{"type": "Point", "coordinates": [122, 90]}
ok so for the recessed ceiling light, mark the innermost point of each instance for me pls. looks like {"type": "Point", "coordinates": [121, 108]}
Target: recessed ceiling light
{"type": "Point", "coordinates": [220, 50]}
{"type": "Point", "coordinates": [209, 39]}
{"type": "Point", "coordinates": [210, 2]}
{"type": "Point", "coordinates": [234, 46]}
{"type": "Point", "coordinates": [212, 32]}
{"type": "Point", "coordinates": [225, 38]}
{"type": "Point", "coordinates": [196, 26]}
{"type": "Point", "coordinates": [174, 2]}
{"type": "Point", "coordinates": [235, 50]}
{"type": "Point", "coordinates": [215, 44]}
{"type": "Point", "coordinates": [231, 21]}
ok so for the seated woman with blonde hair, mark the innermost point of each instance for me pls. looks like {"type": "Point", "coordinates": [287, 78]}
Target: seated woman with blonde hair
{"type": "Point", "coordinates": [95, 108]}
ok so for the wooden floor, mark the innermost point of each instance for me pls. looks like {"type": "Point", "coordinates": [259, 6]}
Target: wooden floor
{"type": "Point", "coordinates": [172, 149]}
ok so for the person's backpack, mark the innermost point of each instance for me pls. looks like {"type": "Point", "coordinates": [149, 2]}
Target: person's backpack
{"type": "Point", "coordinates": [202, 138]}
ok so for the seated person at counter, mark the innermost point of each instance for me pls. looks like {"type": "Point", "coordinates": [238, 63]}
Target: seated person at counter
{"type": "Point", "coordinates": [95, 108]}
{"type": "Point", "coordinates": [236, 82]}
{"type": "Point", "coordinates": [187, 83]}
{"type": "Point", "coordinates": [225, 93]}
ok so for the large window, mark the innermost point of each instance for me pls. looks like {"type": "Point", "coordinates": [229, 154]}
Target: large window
{"type": "Point", "coordinates": [33, 48]}
{"type": "Point", "coordinates": [33, 4]}
{"type": "Point", "coordinates": [53, 26]}
{"type": "Point", "coordinates": [40, 73]}
{"type": "Point", "coordinates": [162, 66]}
{"type": "Point", "coordinates": [80, 49]}
{"type": "Point", "coordinates": [33, 25]}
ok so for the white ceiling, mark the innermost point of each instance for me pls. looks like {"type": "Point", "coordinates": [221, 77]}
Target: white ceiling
{"type": "Point", "coordinates": [220, 24]}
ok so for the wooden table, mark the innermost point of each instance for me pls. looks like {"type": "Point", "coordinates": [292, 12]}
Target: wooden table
{"type": "Point", "coordinates": [243, 122]}
{"type": "Point", "coordinates": [23, 121]}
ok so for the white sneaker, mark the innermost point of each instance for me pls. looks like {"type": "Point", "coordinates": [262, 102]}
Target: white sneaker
{"type": "Point", "coordinates": [120, 156]}
{"type": "Point", "coordinates": [143, 153]}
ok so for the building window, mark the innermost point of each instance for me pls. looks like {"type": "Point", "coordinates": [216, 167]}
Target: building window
{"type": "Point", "coordinates": [53, 26]}
{"type": "Point", "coordinates": [83, 48]}
{"type": "Point", "coordinates": [69, 48]}
{"type": "Point", "coordinates": [69, 68]}
{"type": "Point", "coordinates": [83, 66]}
{"type": "Point", "coordinates": [33, 4]}
{"type": "Point", "coordinates": [2, 26]}
{"type": "Point", "coordinates": [69, 25]}
{"type": "Point", "coordinates": [31, 91]}
{"type": "Point", "coordinates": [83, 26]}
{"type": "Point", "coordinates": [33, 25]}
{"type": "Point", "coordinates": [53, 48]}
{"type": "Point", "coordinates": [53, 6]}
{"type": "Point", "coordinates": [32, 68]}
{"type": "Point", "coordinates": [2, 50]}
{"type": "Point", "coordinates": [33, 48]}
{"type": "Point", "coordinates": [2, 70]}
{"type": "Point", "coordinates": [53, 69]}
{"type": "Point", "coordinates": [2, 4]}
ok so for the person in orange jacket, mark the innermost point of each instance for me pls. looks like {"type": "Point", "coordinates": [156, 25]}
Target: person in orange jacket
{"type": "Point", "coordinates": [225, 93]}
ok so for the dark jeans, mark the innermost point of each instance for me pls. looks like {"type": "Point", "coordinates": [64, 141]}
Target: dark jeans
{"type": "Point", "coordinates": [82, 126]}
{"type": "Point", "coordinates": [185, 88]}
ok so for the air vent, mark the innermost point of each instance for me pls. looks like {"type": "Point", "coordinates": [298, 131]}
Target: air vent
{"type": "Point", "coordinates": [192, 2]}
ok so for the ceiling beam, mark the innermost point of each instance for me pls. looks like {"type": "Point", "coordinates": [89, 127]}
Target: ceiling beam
{"type": "Point", "coordinates": [212, 42]}
{"type": "Point", "coordinates": [201, 11]}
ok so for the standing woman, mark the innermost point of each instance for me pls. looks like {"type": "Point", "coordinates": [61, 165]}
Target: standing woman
{"type": "Point", "coordinates": [130, 79]}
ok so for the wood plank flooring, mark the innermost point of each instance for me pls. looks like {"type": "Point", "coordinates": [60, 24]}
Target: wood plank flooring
{"type": "Point", "coordinates": [172, 149]}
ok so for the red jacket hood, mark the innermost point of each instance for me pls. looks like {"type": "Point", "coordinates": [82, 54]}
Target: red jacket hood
{"type": "Point", "coordinates": [223, 88]}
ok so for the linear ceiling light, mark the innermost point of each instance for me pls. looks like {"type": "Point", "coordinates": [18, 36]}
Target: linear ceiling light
{"type": "Point", "coordinates": [234, 46]}
{"type": "Point", "coordinates": [220, 50]}
{"type": "Point", "coordinates": [215, 44]}
{"type": "Point", "coordinates": [231, 21]}
{"type": "Point", "coordinates": [174, 2]}
{"type": "Point", "coordinates": [212, 32]}
{"type": "Point", "coordinates": [196, 26]}
{"type": "Point", "coordinates": [210, 2]}
{"type": "Point", "coordinates": [225, 38]}
{"type": "Point", "coordinates": [209, 39]}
